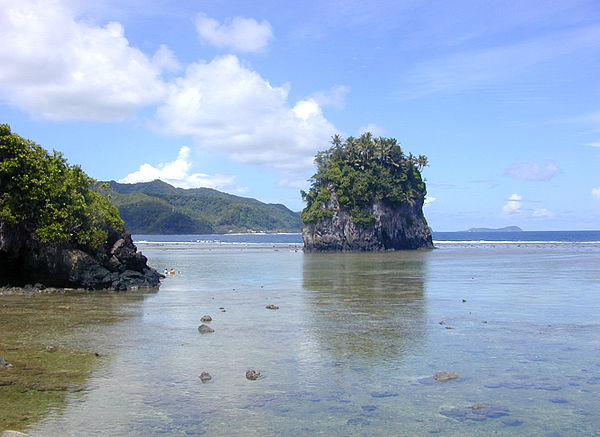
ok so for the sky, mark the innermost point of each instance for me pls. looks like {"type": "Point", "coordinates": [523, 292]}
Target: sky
{"type": "Point", "coordinates": [503, 97]}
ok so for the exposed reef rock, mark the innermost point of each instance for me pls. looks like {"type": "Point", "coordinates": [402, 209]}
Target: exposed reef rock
{"type": "Point", "coordinates": [116, 266]}
{"type": "Point", "coordinates": [398, 228]}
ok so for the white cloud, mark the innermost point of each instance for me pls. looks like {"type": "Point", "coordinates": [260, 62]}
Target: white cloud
{"type": "Point", "coordinates": [226, 106]}
{"type": "Point", "coordinates": [335, 97]}
{"type": "Point", "coordinates": [596, 192]}
{"type": "Point", "coordinates": [239, 34]}
{"type": "Point", "coordinates": [376, 130]}
{"type": "Point", "coordinates": [513, 205]}
{"type": "Point", "coordinates": [593, 144]}
{"type": "Point", "coordinates": [542, 212]}
{"type": "Point", "coordinates": [177, 173]}
{"type": "Point", "coordinates": [532, 171]}
{"type": "Point", "coordinates": [428, 201]}
{"type": "Point", "coordinates": [62, 68]}
{"type": "Point", "coordinates": [166, 60]}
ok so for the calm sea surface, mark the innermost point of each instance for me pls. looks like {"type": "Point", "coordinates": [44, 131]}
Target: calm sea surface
{"type": "Point", "coordinates": [355, 343]}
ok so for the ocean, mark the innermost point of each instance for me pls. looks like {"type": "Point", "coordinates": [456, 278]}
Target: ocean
{"type": "Point", "coordinates": [355, 345]}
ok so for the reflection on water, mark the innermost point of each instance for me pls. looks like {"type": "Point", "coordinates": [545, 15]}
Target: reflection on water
{"type": "Point", "coordinates": [52, 342]}
{"type": "Point", "coordinates": [352, 348]}
{"type": "Point", "coordinates": [366, 306]}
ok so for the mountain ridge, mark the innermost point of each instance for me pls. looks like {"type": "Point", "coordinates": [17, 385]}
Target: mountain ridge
{"type": "Point", "coordinates": [157, 207]}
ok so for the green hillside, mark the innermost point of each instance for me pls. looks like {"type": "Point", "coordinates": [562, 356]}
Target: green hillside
{"type": "Point", "coordinates": [159, 208]}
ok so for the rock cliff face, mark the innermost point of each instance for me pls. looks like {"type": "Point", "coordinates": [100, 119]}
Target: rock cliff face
{"type": "Point", "coordinates": [394, 228]}
{"type": "Point", "coordinates": [117, 266]}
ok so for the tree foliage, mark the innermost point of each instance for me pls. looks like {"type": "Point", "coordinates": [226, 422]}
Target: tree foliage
{"type": "Point", "coordinates": [360, 171]}
{"type": "Point", "coordinates": [51, 199]}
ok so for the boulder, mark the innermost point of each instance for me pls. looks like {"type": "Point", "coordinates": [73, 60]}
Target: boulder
{"type": "Point", "coordinates": [252, 375]}
{"type": "Point", "coordinates": [205, 329]}
{"type": "Point", "coordinates": [445, 376]}
{"type": "Point", "coordinates": [205, 377]}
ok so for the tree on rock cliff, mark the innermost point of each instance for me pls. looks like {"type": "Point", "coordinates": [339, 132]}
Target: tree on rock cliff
{"type": "Point", "coordinates": [56, 230]}
{"type": "Point", "coordinates": [49, 198]}
{"type": "Point", "coordinates": [366, 195]}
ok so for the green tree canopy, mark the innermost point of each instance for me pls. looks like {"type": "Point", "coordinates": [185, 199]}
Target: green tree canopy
{"type": "Point", "coordinates": [360, 171]}
{"type": "Point", "coordinates": [51, 199]}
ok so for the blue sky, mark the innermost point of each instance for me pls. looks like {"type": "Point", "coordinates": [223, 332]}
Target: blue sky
{"type": "Point", "coordinates": [502, 96]}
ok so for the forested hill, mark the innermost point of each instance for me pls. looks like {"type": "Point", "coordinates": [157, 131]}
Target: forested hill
{"type": "Point", "coordinates": [159, 208]}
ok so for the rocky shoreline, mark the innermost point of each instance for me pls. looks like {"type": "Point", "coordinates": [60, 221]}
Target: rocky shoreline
{"type": "Point", "coordinates": [28, 264]}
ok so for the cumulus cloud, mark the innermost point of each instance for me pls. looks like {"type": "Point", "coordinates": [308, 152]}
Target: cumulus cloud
{"type": "Point", "coordinates": [227, 106]}
{"type": "Point", "coordinates": [239, 34]}
{"type": "Point", "coordinates": [177, 173]}
{"type": "Point", "coordinates": [532, 171]}
{"type": "Point", "coordinates": [596, 192]}
{"type": "Point", "coordinates": [62, 68]}
{"type": "Point", "coordinates": [513, 205]}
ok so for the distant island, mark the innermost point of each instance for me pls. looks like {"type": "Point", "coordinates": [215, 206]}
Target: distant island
{"type": "Point", "coordinates": [504, 229]}
{"type": "Point", "coordinates": [367, 195]}
{"type": "Point", "coordinates": [159, 208]}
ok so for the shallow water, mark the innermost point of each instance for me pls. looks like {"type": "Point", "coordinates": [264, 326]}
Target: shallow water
{"type": "Point", "coordinates": [353, 347]}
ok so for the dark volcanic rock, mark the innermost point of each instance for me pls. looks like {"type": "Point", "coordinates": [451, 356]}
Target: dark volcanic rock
{"type": "Point", "coordinates": [205, 329]}
{"type": "Point", "coordinates": [252, 374]}
{"type": "Point", "coordinates": [117, 266]}
{"type": "Point", "coordinates": [398, 228]}
{"type": "Point", "coordinates": [205, 377]}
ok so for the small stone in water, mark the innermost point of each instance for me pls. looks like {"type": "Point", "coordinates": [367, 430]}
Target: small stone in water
{"type": "Point", "coordinates": [205, 377]}
{"type": "Point", "coordinates": [252, 374]}
{"type": "Point", "coordinates": [205, 329]}
{"type": "Point", "coordinates": [445, 376]}
{"type": "Point", "coordinates": [272, 307]}
{"type": "Point", "coordinates": [206, 318]}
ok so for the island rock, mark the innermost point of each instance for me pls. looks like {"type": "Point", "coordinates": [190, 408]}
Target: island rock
{"type": "Point", "coordinates": [396, 228]}
{"type": "Point", "coordinates": [366, 196]}
{"type": "Point", "coordinates": [56, 230]}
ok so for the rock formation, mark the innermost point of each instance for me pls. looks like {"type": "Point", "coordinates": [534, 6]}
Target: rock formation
{"type": "Point", "coordinates": [398, 228]}
{"type": "Point", "coordinates": [116, 266]}
{"type": "Point", "coordinates": [366, 195]}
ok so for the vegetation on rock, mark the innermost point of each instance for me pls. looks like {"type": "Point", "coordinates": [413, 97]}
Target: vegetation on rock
{"type": "Point", "coordinates": [361, 171]}
{"type": "Point", "coordinates": [51, 199]}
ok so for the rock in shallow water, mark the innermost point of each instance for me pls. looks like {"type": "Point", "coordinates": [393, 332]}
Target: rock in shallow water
{"type": "Point", "coordinates": [445, 376]}
{"type": "Point", "coordinates": [206, 318]}
{"type": "Point", "coordinates": [252, 374]}
{"type": "Point", "coordinates": [477, 412]}
{"type": "Point", "coordinates": [205, 329]}
{"type": "Point", "coordinates": [205, 377]}
{"type": "Point", "coordinates": [272, 307]}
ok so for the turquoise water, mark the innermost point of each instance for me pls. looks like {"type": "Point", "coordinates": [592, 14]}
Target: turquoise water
{"type": "Point", "coordinates": [354, 345]}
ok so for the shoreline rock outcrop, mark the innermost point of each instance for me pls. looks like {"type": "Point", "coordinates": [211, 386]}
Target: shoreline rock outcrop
{"type": "Point", "coordinates": [398, 228]}
{"type": "Point", "coordinates": [115, 266]}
